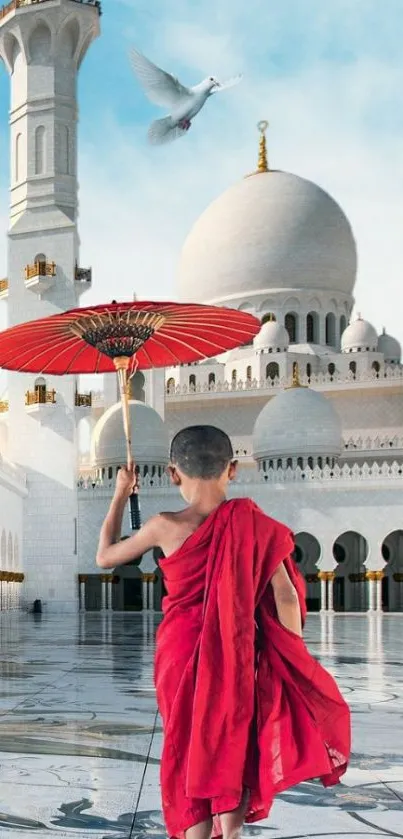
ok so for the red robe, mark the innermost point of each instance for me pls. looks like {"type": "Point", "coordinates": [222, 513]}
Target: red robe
{"type": "Point", "coordinates": [243, 703]}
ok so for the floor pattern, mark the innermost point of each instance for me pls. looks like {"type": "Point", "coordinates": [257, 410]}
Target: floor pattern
{"type": "Point", "coordinates": [80, 740]}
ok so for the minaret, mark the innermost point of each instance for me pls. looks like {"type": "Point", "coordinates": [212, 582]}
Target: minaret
{"type": "Point", "coordinates": [42, 44]}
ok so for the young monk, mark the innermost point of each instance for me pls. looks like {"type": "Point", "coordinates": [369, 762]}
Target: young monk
{"type": "Point", "coordinates": [247, 712]}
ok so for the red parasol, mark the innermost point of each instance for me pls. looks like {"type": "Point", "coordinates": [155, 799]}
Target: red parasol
{"type": "Point", "coordinates": [124, 337]}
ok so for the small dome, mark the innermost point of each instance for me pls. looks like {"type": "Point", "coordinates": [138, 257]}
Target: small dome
{"type": "Point", "coordinates": [149, 437]}
{"type": "Point", "coordinates": [273, 335]}
{"type": "Point", "coordinates": [297, 422]}
{"type": "Point", "coordinates": [271, 232]}
{"type": "Point", "coordinates": [360, 336]}
{"type": "Point", "coordinates": [390, 348]}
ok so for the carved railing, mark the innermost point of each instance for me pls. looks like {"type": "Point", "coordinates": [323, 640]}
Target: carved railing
{"type": "Point", "coordinates": [83, 275]}
{"type": "Point", "coordinates": [3, 406]}
{"type": "Point", "coordinates": [355, 444]}
{"type": "Point", "coordinates": [18, 4]}
{"type": "Point", "coordinates": [356, 473]}
{"type": "Point", "coordinates": [40, 269]}
{"type": "Point", "coordinates": [3, 285]}
{"type": "Point", "coordinates": [40, 397]}
{"type": "Point", "coordinates": [392, 373]}
{"type": "Point", "coordinates": [83, 400]}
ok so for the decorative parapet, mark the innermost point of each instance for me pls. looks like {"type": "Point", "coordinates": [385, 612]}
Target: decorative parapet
{"type": "Point", "coordinates": [19, 4]}
{"type": "Point", "coordinates": [83, 278]}
{"type": "Point", "coordinates": [40, 397]}
{"type": "Point", "coordinates": [321, 380]}
{"type": "Point", "coordinates": [3, 406]}
{"type": "Point", "coordinates": [377, 443]}
{"type": "Point", "coordinates": [83, 400]}
{"type": "Point", "coordinates": [40, 269]}
{"type": "Point", "coordinates": [359, 474]}
{"type": "Point", "coordinates": [40, 276]}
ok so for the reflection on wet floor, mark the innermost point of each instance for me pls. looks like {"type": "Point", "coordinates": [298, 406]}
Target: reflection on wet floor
{"type": "Point", "coordinates": [80, 740]}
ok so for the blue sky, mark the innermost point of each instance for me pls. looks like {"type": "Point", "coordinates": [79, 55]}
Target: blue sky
{"type": "Point", "coordinates": [328, 74]}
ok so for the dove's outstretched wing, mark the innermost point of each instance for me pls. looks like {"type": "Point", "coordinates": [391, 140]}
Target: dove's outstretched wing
{"type": "Point", "coordinates": [163, 131]}
{"type": "Point", "coordinates": [162, 88]}
{"type": "Point", "coordinates": [226, 85]}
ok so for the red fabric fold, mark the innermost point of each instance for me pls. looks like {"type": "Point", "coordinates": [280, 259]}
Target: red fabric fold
{"type": "Point", "coordinates": [243, 702]}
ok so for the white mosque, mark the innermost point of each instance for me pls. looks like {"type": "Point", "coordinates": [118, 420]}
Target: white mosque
{"type": "Point", "coordinates": [314, 407]}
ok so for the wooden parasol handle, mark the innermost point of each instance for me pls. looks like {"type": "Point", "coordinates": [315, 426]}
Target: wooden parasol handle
{"type": "Point", "coordinates": [122, 365]}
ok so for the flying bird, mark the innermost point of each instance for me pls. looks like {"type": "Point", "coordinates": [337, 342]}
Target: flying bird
{"type": "Point", "coordinates": [184, 103]}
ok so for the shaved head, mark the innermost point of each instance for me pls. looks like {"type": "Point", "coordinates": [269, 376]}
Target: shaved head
{"type": "Point", "coordinates": [201, 451]}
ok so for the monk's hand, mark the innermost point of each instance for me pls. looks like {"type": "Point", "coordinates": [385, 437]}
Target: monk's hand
{"type": "Point", "coordinates": [125, 482]}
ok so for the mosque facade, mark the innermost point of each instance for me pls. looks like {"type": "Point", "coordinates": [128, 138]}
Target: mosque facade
{"type": "Point", "coordinates": [314, 406]}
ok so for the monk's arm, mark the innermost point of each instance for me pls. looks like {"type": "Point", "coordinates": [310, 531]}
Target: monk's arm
{"type": "Point", "coordinates": [286, 600]}
{"type": "Point", "coordinates": [111, 552]}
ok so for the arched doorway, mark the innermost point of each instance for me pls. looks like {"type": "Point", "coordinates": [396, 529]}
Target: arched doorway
{"type": "Point", "coordinates": [307, 553]}
{"type": "Point", "coordinates": [392, 583]}
{"type": "Point", "coordinates": [127, 592]}
{"type": "Point", "coordinates": [350, 551]}
{"type": "Point", "coordinates": [40, 390]}
{"type": "Point", "coordinates": [272, 370]}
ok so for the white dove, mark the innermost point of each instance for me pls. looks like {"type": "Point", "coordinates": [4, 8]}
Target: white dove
{"type": "Point", "coordinates": [167, 92]}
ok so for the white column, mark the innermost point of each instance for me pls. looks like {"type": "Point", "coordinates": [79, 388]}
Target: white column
{"type": "Point", "coordinates": [371, 591]}
{"type": "Point", "coordinates": [145, 593]}
{"type": "Point", "coordinates": [151, 592]}
{"type": "Point", "coordinates": [81, 592]}
{"type": "Point", "coordinates": [322, 592]}
{"type": "Point", "coordinates": [103, 593]}
{"type": "Point", "coordinates": [330, 584]}
{"type": "Point", "coordinates": [378, 583]}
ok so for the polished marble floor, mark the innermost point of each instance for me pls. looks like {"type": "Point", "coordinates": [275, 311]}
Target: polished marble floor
{"type": "Point", "coordinates": [80, 739]}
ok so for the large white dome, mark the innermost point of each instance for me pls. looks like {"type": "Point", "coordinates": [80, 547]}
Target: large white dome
{"type": "Point", "coordinates": [297, 422]}
{"type": "Point", "coordinates": [271, 231]}
{"type": "Point", "coordinates": [149, 437]}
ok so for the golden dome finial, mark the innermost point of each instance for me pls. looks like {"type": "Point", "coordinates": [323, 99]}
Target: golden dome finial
{"type": "Point", "coordinates": [295, 382]}
{"type": "Point", "coordinates": [295, 375]}
{"type": "Point", "coordinates": [262, 165]}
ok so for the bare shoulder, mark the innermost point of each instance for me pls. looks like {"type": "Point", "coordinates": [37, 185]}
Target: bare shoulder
{"type": "Point", "coordinates": [173, 529]}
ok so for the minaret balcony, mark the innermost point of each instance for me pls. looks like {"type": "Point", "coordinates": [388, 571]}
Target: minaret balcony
{"type": "Point", "coordinates": [83, 400]}
{"type": "Point", "coordinates": [40, 276]}
{"type": "Point", "coordinates": [3, 406]}
{"type": "Point", "coordinates": [4, 289]}
{"type": "Point", "coordinates": [40, 397]}
{"type": "Point", "coordinates": [83, 279]}
{"type": "Point", "coordinates": [17, 4]}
